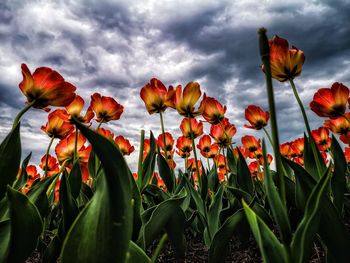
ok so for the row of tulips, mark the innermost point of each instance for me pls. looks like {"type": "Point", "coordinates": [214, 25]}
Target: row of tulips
{"type": "Point", "coordinates": [87, 206]}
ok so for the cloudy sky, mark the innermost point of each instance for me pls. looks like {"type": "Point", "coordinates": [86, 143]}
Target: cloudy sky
{"type": "Point", "coordinates": [115, 47]}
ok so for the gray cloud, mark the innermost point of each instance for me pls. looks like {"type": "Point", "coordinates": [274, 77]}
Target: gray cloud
{"type": "Point", "coordinates": [114, 48]}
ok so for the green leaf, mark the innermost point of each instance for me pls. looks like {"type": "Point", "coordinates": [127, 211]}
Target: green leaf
{"type": "Point", "coordinates": [75, 180]}
{"type": "Point", "coordinates": [223, 236]}
{"type": "Point", "coordinates": [92, 164]}
{"type": "Point", "coordinates": [5, 233]}
{"type": "Point", "coordinates": [240, 194]}
{"type": "Point", "coordinates": [231, 161]}
{"type": "Point", "coordinates": [304, 235]}
{"type": "Point", "coordinates": [338, 178]}
{"type": "Point", "coordinates": [160, 217]}
{"type": "Point", "coordinates": [23, 177]}
{"type": "Point", "coordinates": [310, 159]}
{"type": "Point", "coordinates": [10, 159]}
{"type": "Point", "coordinates": [137, 223]}
{"type": "Point", "coordinates": [214, 214]}
{"type": "Point", "coordinates": [165, 173]}
{"type": "Point", "coordinates": [103, 228]}
{"type": "Point", "coordinates": [26, 226]}
{"type": "Point", "coordinates": [68, 205]}
{"type": "Point", "coordinates": [136, 254]}
{"type": "Point", "coordinates": [213, 179]}
{"type": "Point", "coordinates": [278, 209]}
{"type": "Point", "coordinates": [271, 249]}
{"type": "Point", "coordinates": [149, 163]}
{"type": "Point", "coordinates": [244, 179]}
{"type": "Point", "coordinates": [37, 194]}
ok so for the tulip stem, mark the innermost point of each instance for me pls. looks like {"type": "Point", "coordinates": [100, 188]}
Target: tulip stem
{"type": "Point", "coordinates": [47, 155]}
{"type": "Point", "coordinates": [208, 164]}
{"type": "Point", "coordinates": [161, 243]}
{"type": "Point", "coordinates": [20, 114]}
{"type": "Point", "coordinates": [268, 136]}
{"type": "Point", "coordinates": [99, 125]}
{"type": "Point", "coordinates": [76, 144]}
{"type": "Point", "coordinates": [227, 137]}
{"type": "Point", "coordinates": [194, 147]}
{"type": "Point", "coordinates": [139, 168]}
{"type": "Point", "coordinates": [313, 146]}
{"type": "Point", "coordinates": [163, 135]}
{"type": "Point", "coordinates": [301, 106]}
{"type": "Point", "coordinates": [265, 57]}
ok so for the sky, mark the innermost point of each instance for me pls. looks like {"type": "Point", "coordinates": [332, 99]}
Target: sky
{"type": "Point", "coordinates": [116, 47]}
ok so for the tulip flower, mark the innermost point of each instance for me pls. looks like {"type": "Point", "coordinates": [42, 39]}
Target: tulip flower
{"type": "Point", "coordinates": [146, 148]}
{"type": "Point", "coordinates": [345, 138]}
{"type": "Point", "coordinates": [222, 133]}
{"type": "Point", "coordinates": [124, 145]}
{"type": "Point", "coordinates": [191, 165]}
{"type": "Point", "coordinates": [339, 125]}
{"type": "Point", "coordinates": [347, 154]}
{"type": "Point", "coordinates": [46, 87]}
{"type": "Point", "coordinates": [184, 144]}
{"type": "Point", "coordinates": [221, 162]}
{"type": "Point", "coordinates": [32, 176]}
{"type": "Point", "coordinates": [286, 64]}
{"type": "Point", "coordinates": [52, 165]}
{"type": "Point", "coordinates": [321, 137]}
{"type": "Point", "coordinates": [213, 152]}
{"type": "Point", "coordinates": [204, 143]}
{"type": "Point", "coordinates": [58, 125]}
{"type": "Point", "coordinates": [156, 96]}
{"type": "Point", "coordinates": [105, 108]}
{"type": "Point", "coordinates": [250, 143]}
{"type": "Point", "coordinates": [169, 142]}
{"type": "Point", "coordinates": [187, 124]}
{"type": "Point", "coordinates": [106, 133]}
{"type": "Point", "coordinates": [242, 151]}
{"type": "Point", "coordinates": [297, 147]}
{"type": "Point", "coordinates": [330, 102]}
{"type": "Point", "coordinates": [185, 101]}
{"type": "Point", "coordinates": [286, 150]}
{"type": "Point", "coordinates": [256, 117]}
{"type": "Point", "coordinates": [213, 111]}
{"type": "Point", "coordinates": [75, 108]}
{"type": "Point", "coordinates": [269, 159]}
{"type": "Point", "coordinates": [65, 150]}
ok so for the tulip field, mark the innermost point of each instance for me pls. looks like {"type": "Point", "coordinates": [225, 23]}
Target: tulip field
{"type": "Point", "coordinates": [84, 203]}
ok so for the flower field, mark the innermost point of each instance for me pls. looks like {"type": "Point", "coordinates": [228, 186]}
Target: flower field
{"type": "Point", "coordinates": [85, 204]}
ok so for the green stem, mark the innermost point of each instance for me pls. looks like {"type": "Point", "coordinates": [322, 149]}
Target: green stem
{"type": "Point", "coordinates": [139, 168]}
{"type": "Point", "coordinates": [75, 145]}
{"type": "Point", "coordinates": [208, 164]}
{"type": "Point", "coordinates": [265, 57]}
{"type": "Point", "coordinates": [301, 106]}
{"type": "Point", "coordinates": [163, 135]}
{"type": "Point", "coordinates": [194, 148]}
{"type": "Point", "coordinates": [47, 155]}
{"type": "Point", "coordinates": [161, 243]}
{"type": "Point", "coordinates": [268, 136]}
{"type": "Point", "coordinates": [99, 125]}
{"type": "Point", "coordinates": [20, 114]}
{"type": "Point", "coordinates": [227, 137]}
{"type": "Point", "coordinates": [225, 161]}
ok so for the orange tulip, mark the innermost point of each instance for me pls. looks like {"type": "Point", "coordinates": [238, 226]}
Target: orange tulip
{"type": "Point", "coordinates": [204, 143]}
{"type": "Point", "coordinates": [256, 117]}
{"type": "Point", "coordinates": [321, 137]}
{"type": "Point", "coordinates": [184, 145]}
{"type": "Point", "coordinates": [345, 138]}
{"type": "Point", "coordinates": [65, 150]}
{"type": "Point", "coordinates": [251, 144]}
{"type": "Point", "coordinates": [124, 145]}
{"type": "Point", "coordinates": [197, 127]}
{"type": "Point", "coordinates": [255, 171]}
{"type": "Point", "coordinates": [339, 125]}
{"type": "Point", "coordinates": [191, 165]}
{"type": "Point", "coordinates": [146, 148]}
{"type": "Point", "coordinates": [46, 87]}
{"type": "Point", "coordinates": [75, 108]}
{"type": "Point", "coordinates": [106, 133]}
{"type": "Point", "coordinates": [297, 147]}
{"type": "Point", "coordinates": [286, 150]}
{"type": "Point", "coordinates": [221, 162]}
{"type": "Point", "coordinates": [242, 151]}
{"type": "Point", "coordinates": [156, 97]}
{"type": "Point", "coordinates": [213, 111]}
{"type": "Point", "coordinates": [285, 63]}
{"type": "Point", "coordinates": [269, 159]}
{"type": "Point", "coordinates": [32, 176]}
{"type": "Point", "coordinates": [347, 154]}
{"type": "Point", "coordinates": [105, 108]}
{"type": "Point", "coordinates": [213, 152]}
{"type": "Point", "coordinates": [52, 165]}
{"type": "Point", "coordinates": [185, 101]}
{"type": "Point", "coordinates": [330, 102]}
{"type": "Point", "coordinates": [222, 133]}
{"type": "Point", "coordinates": [169, 141]}
{"type": "Point", "coordinates": [58, 125]}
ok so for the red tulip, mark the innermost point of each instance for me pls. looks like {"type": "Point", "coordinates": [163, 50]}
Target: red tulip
{"type": "Point", "coordinates": [58, 125]}
{"type": "Point", "coordinates": [213, 111]}
{"type": "Point", "coordinates": [256, 117]}
{"type": "Point", "coordinates": [75, 108]}
{"type": "Point", "coordinates": [197, 127]}
{"type": "Point", "coordinates": [124, 145]}
{"type": "Point", "coordinates": [169, 141]}
{"type": "Point", "coordinates": [52, 165]}
{"type": "Point", "coordinates": [321, 137]}
{"type": "Point", "coordinates": [222, 133]}
{"type": "Point", "coordinates": [106, 108]}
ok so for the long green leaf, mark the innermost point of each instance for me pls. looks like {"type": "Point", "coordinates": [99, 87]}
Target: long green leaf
{"type": "Point", "coordinates": [75, 180]}
{"type": "Point", "coordinates": [102, 231]}
{"type": "Point", "coordinates": [10, 159]}
{"type": "Point", "coordinates": [310, 159]}
{"type": "Point", "coordinates": [278, 209]}
{"type": "Point", "coordinates": [136, 254]}
{"type": "Point", "coordinates": [223, 236]}
{"type": "Point", "coordinates": [165, 172]}
{"type": "Point", "coordinates": [271, 249]}
{"type": "Point", "coordinates": [303, 238]}
{"type": "Point", "coordinates": [244, 179]}
{"type": "Point", "coordinates": [338, 178]}
{"type": "Point", "coordinates": [26, 226]}
{"type": "Point", "coordinates": [5, 233]}
{"type": "Point", "coordinates": [23, 177]}
{"type": "Point", "coordinates": [149, 163]}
